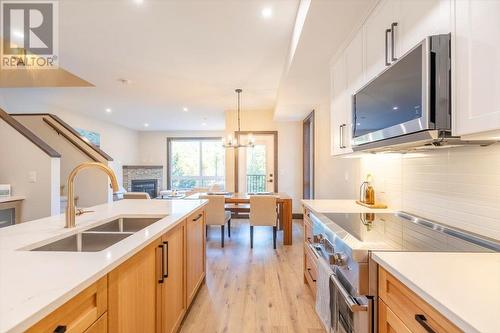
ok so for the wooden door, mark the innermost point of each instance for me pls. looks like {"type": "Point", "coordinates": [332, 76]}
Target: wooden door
{"type": "Point", "coordinates": [195, 252]}
{"type": "Point", "coordinates": [173, 288]}
{"type": "Point", "coordinates": [133, 292]}
{"type": "Point", "coordinates": [476, 67]}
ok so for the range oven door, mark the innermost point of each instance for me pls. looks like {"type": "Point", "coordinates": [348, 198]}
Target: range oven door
{"type": "Point", "coordinates": [348, 315]}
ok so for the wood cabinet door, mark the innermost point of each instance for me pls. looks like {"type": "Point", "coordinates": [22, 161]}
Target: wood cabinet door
{"type": "Point", "coordinates": [173, 288]}
{"type": "Point", "coordinates": [388, 322]}
{"type": "Point", "coordinates": [133, 286]}
{"type": "Point", "coordinates": [476, 67]}
{"type": "Point", "coordinates": [195, 251]}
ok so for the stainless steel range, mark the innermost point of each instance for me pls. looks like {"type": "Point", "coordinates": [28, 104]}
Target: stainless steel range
{"type": "Point", "coordinates": [346, 240]}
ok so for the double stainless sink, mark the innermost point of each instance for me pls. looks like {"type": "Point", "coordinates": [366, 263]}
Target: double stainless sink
{"type": "Point", "coordinates": [101, 237]}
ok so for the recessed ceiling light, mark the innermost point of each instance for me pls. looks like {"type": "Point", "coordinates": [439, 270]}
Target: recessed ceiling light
{"type": "Point", "coordinates": [203, 124]}
{"type": "Point", "coordinates": [146, 125]}
{"type": "Point", "coordinates": [139, 2]}
{"type": "Point", "coordinates": [395, 108]}
{"type": "Point", "coordinates": [267, 12]}
{"type": "Point", "coordinates": [108, 110]}
{"type": "Point", "coordinates": [185, 109]}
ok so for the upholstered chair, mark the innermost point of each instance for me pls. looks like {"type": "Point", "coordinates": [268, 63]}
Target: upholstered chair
{"type": "Point", "coordinates": [215, 214]}
{"type": "Point", "coordinates": [263, 212]}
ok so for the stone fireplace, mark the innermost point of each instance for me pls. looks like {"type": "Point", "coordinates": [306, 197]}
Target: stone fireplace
{"type": "Point", "coordinates": [143, 178]}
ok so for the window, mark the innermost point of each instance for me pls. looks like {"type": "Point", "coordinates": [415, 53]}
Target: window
{"type": "Point", "coordinates": [195, 162]}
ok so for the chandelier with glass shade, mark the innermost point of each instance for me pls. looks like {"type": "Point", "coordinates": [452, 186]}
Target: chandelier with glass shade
{"type": "Point", "coordinates": [233, 143]}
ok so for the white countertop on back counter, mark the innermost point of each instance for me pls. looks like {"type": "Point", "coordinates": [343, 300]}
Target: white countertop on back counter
{"type": "Point", "coordinates": [340, 206]}
{"type": "Point", "coordinates": [464, 287]}
{"type": "Point", "coordinates": [34, 283]}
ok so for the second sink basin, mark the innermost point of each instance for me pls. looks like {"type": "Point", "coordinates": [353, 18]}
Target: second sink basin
{"type": "Point", "coordinates": [85, 242]}
{"type": "Point", "coordinates": [126, 224]}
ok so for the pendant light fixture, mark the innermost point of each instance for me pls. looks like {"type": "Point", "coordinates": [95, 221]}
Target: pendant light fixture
{"type": "Point", "coordinates": [233, 143]}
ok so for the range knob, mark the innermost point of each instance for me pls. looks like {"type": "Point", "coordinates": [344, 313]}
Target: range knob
{"type": "Point", "coordinates": [340, 258]}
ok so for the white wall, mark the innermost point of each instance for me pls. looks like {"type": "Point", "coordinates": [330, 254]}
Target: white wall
{"type": "Point", "coordinates": [118, 142]}
{"type": "Point", "coordinates": [152, 147]}
{"type": "Point", "coordinates": [91, 185]}
{"type": "Point", "coordinates": [19, 158]}
{"type": "Point", "coordinates": [459, 186]}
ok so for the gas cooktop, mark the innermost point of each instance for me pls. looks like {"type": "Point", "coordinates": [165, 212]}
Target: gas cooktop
{"type": "Point", "coordinates": [403, 232]}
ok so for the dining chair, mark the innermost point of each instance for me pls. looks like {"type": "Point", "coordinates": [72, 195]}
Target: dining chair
{"type": "Point", "coordinates": [263, 212]}
{"type": "Point", "coordinates": [215, 214]}
{"type": "Point", "coordinates": [136, 195]}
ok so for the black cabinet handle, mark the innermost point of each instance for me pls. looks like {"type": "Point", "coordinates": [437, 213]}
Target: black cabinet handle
{"type": "Point", "coordinates": [197, 218]}
{"type": "Point", "coordinates": [387, 31]}
{"type": "Point", "coordinates": [420, 318]}
{"type": "Point", "coordinates": [60, 329]}
{"type": "Point", "coordinates": [393, 25]}
{"type": "Point", "coordinates": [165, 259]}
{"type": "Point", "coordinates": [161, 279]}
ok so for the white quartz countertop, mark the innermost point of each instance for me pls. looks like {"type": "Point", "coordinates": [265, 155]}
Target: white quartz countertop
{"type": "Point", "coordinates": [464, 287]}
{"type": "Point", "coordinates": [12, 198]}
{"type": "Point", "coordinates": [340, 206]}
{"type": "Point", "coordinates": [34, 283]}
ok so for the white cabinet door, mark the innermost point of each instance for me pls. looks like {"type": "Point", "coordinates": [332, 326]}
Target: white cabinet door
{"type": "Point", "coordinates": [338, 118]}
{"type": "Point", "coordinates": [418, 19]}
{"type": "Point", "coordinates": [374, 31]}
{"type": "Point", "coordinates": [476, 66]}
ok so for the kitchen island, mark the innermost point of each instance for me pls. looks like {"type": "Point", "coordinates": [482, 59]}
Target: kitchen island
{"type": "Point", "coordinates": [33, 284]}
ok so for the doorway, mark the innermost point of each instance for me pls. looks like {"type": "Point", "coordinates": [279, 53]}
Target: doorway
{"type": "Point", "coordinates": [256, 167]}
{"type": "Point", "coordinates": [308, 157]}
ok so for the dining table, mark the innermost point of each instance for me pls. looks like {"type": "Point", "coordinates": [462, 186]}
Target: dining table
{"type": "Point", "coordinates": [283, 201]}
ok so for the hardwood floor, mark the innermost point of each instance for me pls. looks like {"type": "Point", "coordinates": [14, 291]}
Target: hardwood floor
{"type": "Point", "coordinates": [259, 290]}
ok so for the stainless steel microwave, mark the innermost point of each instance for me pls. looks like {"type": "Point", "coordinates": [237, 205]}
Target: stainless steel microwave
{"type": "Point", "coordinates": [409, 101]}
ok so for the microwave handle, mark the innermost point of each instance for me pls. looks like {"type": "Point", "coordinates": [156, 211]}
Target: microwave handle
{"type": "Point", "coordinates": [353, 306]}
{"type": "Point", "coordinates": [387, 31]}
{"type": "Point", "coordinates": [393, 25]}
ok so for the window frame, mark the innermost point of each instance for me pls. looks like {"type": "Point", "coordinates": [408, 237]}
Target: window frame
{"type": "Point", "coordinates": [170, 140]}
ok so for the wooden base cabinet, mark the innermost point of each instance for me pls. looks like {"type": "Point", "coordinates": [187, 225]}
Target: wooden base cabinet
{"type": "Point", "coordinates": [401, 310]}
{"type": "Point", "coordinates": [133, 287]}
{"type": "Point", "coordinates": [82, 313]}
{"type": "Point", "coordinates": [195, 253]}
{"type": "Point", "coordinates": [173, 287]}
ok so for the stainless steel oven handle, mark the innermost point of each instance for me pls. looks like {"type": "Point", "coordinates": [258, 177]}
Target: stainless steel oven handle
{"type": "Point", "coordinates": [353, 306]}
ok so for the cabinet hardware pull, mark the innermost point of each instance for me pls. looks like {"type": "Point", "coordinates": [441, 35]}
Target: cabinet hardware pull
{"type": "Point", "coordinates": [60, 329]}
{"type": "Point", "coordinates": [165, 259]}
{"type": "Point", "coordinates": [309, 271]}
{"type": "Point", "coordinates": [420, 318]}
{"type": "Point", "coordinates": [387, 31]}
{"type": "Point", "coordinates": [161, 279]}
{"type": "Point", "coordinates": [340, 136]}
{"type": "Point", "coordinates": [393, 25]}
{"type": "Point", "coordinates": [197, 218]}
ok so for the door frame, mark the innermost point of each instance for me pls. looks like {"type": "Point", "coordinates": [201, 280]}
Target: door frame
{"type": "Point", "coordinates": [308, 148]}
{"type": "Point", "coordinates": [237, 135]}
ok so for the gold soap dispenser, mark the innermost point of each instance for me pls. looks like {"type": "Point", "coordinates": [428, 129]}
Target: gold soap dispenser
{"type": "Point", "coordinates": [366, 191]}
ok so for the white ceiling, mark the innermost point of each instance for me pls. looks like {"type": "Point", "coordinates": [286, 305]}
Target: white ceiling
{"type": "Point", "coordinates": [176, 53]}
{"type": "Point", "coordinates": [327, 27]}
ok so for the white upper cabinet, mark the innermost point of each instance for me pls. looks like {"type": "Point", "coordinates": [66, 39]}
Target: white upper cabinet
{"type": "Point", "coordinates": [476, 67]}
{"type": "Point", "coordinates": [376, 36]}
{"type": "Point", "coordinates": [417, 19]}
{"type": "Point", "coordinates": [354, 65]}
{"type": "Point", "coordinates": [339, 121]}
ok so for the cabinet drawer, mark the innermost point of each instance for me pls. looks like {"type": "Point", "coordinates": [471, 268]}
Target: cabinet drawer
{"type": "Point", "coordinates": [100, 326]}
{"type": "Point", "coordinates": [79, 313]}
{"type": "Point", "coordinates": [414, 312]}
{"type": "Point", "coordinates": [196, 216]}
{"type": "Point", "coordinates": [310, 268]}
{"type": "Point", "coordinates": [388, 322]}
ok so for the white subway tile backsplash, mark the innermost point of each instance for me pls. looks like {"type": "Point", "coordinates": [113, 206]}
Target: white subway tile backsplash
{"type": "Point", "coordinates": [459, 186]}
